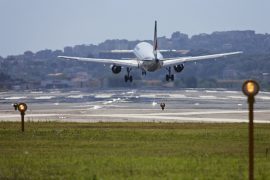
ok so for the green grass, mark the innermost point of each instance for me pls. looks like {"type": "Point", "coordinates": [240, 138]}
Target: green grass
{"type": "Point", "coordinates": [51, 150]}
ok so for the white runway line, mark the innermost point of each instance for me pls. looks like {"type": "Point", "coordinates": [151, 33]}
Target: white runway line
{"type": "Point", "coordinates": [180, 96]}
{"type": "Point", "coordinates": [44, 97]}
{"type": "Point", "coordinates": [103, 96]}
{"type": "Point", "coordinates": [208, 97]}
{"type": "Point", "coordinates": [263, 97]}
{"type": "Point", "coordinates": [191, 91]}
{"type": "Point", "coordinates": [232, 92]}
{"type": "Point", "coordinates": [210, 91]}
{"type": "Point", "coordinates": [76, 96]}
{"type": "Point", "coordinates": [75, 91]}
{"type": "Point", "coordinates": [53, 92]}
{"type": "Point", "coordinates": [147, 95]}
{"type": "Point", "coordinates": [27, 115]}
{"type": "Point", "coordinates": [15, 98]}
{"type": "Point", "coordinates": [237, 97]}
{"type": "Point", "coordinates": [96, 107]}
{"type": "Point", "coordinates": [36, 92]}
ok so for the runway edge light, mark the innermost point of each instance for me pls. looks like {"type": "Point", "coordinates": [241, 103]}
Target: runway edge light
{"type": "Point", "coordinates": [251, 88]}
{"type": "Point", "coordinates": [22, 107]}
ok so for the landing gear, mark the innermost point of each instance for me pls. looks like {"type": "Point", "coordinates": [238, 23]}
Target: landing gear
{"type": "Point", "coordinates": [128, 77]}
{"type": "Point", "coordinates": [143, 72]}
{"type": "Point", "coordinates": [169, 76]}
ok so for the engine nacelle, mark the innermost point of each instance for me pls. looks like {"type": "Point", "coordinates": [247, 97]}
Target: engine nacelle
{"type": "Point", "coordinates": [116, 69]}
{"type": "Point", "coordinates": [179, 68]}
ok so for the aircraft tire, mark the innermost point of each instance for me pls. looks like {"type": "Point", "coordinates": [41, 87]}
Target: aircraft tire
{"type": "Point", "coordinates": [126, 78]}
{"type": "Point", "coordinates": [172, 77]}
{"type": "Point", "coordinates": [167, 77]}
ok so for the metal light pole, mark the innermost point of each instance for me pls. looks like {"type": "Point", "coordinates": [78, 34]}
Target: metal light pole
{"type": "Point", "coordinates": [251, 88]}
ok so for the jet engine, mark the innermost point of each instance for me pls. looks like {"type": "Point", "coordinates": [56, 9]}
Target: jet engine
{"type": "Point", "coordinates": [116, 69]}
{"type": "Point", "coordinates": [179, 68]}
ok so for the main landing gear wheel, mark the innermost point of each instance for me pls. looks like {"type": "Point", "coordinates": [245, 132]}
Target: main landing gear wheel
{"type": "Point", "coordinates": [169, 76]}
{"type": "Point", "coordinates": [128, 77]}
{"type": "Point", "coordinates": [144, 73]}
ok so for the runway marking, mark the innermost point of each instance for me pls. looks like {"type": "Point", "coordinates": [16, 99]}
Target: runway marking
{"type": "Point", "coordinates": [210, 91]}
{"type": "Point", "coordinates": [237, 97]}
{"type": "Point", "coordinates": [178, 96]}
{"type": "Point", "coordinates": [53, 92]}
{"type": "Point", "coordinates": [232, 92]}
{"type": "Point", "coordinates": [103, 96]}
{"type": "Point", "coordinates": [83, 106]}
{"type": "Point", "coordinates": [191, 90]}
{"type": "Point", "coordinates": [208, 97]}
{"type": "Point", "coordinates": [36, 92]}
{"type": "Point", "coordinates": [96, 107]}
{"type": "Point", "coordinates": [15, 97]}
{"type": "Point", "coordinates": [28, 115]}
{"type": "Point", "coordinates": [44, 97]}
{"type": "Point", "coordinates": [264, 97]}
{"type": "Point", "coordinates": [79, 96]}
{"type": "Point", "coordinates": [75, 91]}
{"type": "Point", "coordinates": [117, 100]}
{"type": "Point", "coordinates": [107, 102]}
{"type": "Point", "coordinates": [264, 92]}
{"type": "Point", "coordinates": [147, 95]}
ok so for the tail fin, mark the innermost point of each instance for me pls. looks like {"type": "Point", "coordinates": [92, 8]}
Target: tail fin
{"type": "Point", "coordinates": [155, 44]}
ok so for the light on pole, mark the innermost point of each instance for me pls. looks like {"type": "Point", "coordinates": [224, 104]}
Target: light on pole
{"type": "Point", "coordinates": [251, 88]}
{"type": "Point", "coordinates": [22, 107]}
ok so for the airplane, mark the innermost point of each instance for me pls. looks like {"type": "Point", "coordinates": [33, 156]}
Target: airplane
{"type": "Point", "coordinates": [149, 58]}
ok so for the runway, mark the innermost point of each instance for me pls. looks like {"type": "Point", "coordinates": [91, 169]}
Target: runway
{"type": "Point", "coordinates": [135, 105]}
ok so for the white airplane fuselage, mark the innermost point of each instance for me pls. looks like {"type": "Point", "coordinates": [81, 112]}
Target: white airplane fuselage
{"type": "Point", "coordinates": [146, 58]}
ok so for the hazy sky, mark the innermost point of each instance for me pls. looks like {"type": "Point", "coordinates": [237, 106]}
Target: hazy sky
{"type": "Point", "coordinates": [39, 24]}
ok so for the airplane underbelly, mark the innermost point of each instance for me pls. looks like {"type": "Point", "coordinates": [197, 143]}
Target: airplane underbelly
{"type": "Point", "coordinates": [151, 66]}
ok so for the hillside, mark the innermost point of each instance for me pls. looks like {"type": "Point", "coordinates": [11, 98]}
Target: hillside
{"type": "Point", "coordinates": [44, 70]}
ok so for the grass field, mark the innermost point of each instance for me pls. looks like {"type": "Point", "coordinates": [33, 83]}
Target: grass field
{"type": "Point", "coordinates": [51, 150]}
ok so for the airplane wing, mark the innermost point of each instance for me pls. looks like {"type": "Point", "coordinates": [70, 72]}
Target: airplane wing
{"type": "Point", "coordinates": [121, 51]}
{"type": "Point", "coordinates": [131, 62]}
{"type": "Point", "coordinates": [173, 61]}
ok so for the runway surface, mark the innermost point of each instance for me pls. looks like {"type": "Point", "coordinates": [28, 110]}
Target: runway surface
{"type": "Point", "coordinates": [185, 105]}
